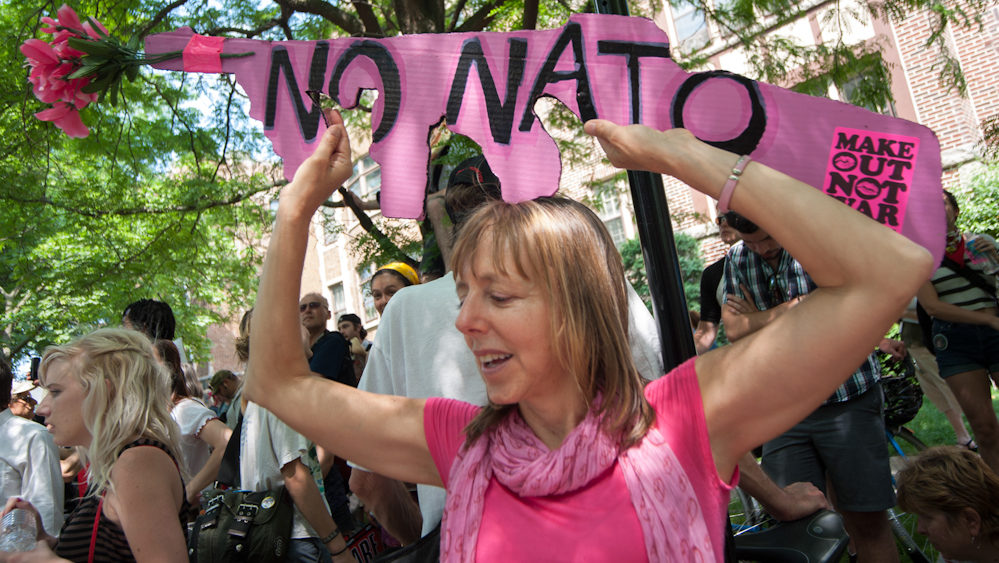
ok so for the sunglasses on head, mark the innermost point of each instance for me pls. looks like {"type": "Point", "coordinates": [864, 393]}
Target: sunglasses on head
{"type": "Point", "coordinates": [309, 305]}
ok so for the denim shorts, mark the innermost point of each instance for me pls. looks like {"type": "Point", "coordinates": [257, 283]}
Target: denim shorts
{"type": "Point", "coordinates": [963, 347]}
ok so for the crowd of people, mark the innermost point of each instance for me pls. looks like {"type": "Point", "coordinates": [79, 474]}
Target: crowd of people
{"type": "Point", "coordinates": [523, 392]}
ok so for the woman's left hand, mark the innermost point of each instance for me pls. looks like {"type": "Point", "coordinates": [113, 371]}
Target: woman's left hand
{"type": "Point", "coordinates": [323, 172]}
{"type": "Point", "coordinates": [41, 554]}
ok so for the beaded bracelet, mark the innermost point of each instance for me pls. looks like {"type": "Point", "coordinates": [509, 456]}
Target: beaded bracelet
{"type": "Point", "coordinates": [733, 179]}
{"type": "Point", "coordinates": [331, 536]}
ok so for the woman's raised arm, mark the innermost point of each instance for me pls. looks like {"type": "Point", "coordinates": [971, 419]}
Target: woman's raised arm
{"type": "Point", "coordinates": [380, 432]}
{"type": "Point", "coordinates": [866, 273]}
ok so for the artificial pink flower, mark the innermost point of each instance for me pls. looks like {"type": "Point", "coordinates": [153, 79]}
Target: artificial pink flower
{"type": "Point", "coordinates": [67, 18]}
{"type": "Point", "coordinates": [65, 117]}
{"type": "Point", "coordinates": [93, 33]}
{"type": "Point", "coordinates": [39, 52]}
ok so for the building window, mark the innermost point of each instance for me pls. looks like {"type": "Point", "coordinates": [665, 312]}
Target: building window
{"type": "Point", "coordinates": [608, 206]}
{"type": "Point", "coordinates": [367, 178]}
{"type": "Point", "coordinates": [339, 304]}
{"type": "Point", "coordinates": [331, 225]}
{"type": "Point", "coordinates": [865, 88]}
{"type": "Point", "coordinates": [365, 274]}
{"type": "Point", "coordinates": [691, 28]}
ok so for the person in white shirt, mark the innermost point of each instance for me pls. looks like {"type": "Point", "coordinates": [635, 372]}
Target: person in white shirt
{"type": "Point", "coordinates": [29, 460]}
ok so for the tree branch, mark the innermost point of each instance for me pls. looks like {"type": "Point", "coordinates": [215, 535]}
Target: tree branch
{"type": "Point", "coordinates": [457, 13]}
{"type": "Point", "coordinates": [481, 18]}
{"type": "Point", "coordinates": [327, 11]}
{"type": "Point", "coordinates": [160, 16]}
{"type": "Point", "coordinates": [371, 26]}
{"type": "Point", "coordinates": [383, 241]}
{"type": "Point", "coordinates": [530, 14]}
{"type": "Point", "coordinates": [128, 211]}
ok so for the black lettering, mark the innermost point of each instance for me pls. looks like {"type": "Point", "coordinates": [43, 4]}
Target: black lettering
{"type": "Point", "coordinates": [573, 33]}
{"type": "Point", "coordinates": [308, 120]}
{"type": "Point", "coordinates": [887, 214]}
{"type": "Point", "coordinates": [885, 147]}
{"type": "Point", "coordinates": [747, 141]}
{"type": "Point", "coordinates": [500, 113]}
{"type": "Point", "coordinates": [844, 183]}
{"type": "Point", "coordinates": [388, 71]}
{"type": "Point", "coordinates": [893, 189]}
{"type": "Point", "coordinates": [905, 150]}
{"type": "Point", "coordinates": [896, 168]}
{"type": "Point", "coordinates": [634, 52]}
{"type": "Point", "coordinates": [846, 142]}
{"type": "Point", "coordinates": [867, 145]}
{"type": "Point", "coordinates": [866, 168]}
{"type": "Point", "coordinates": [847, 200]}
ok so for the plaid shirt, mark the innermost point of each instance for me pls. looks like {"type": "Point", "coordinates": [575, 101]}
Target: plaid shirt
{"type": "Point", "coordinates": [769, 287]}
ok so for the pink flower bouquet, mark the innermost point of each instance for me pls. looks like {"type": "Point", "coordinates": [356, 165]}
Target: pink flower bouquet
{"type": "Point", "coordinates": [80, 65]}
{"type": "Point", "coordinates": [53, 63]}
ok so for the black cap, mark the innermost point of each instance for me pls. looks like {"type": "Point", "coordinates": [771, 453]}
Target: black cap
{"type": "Point", "coordinates": [471, 184]}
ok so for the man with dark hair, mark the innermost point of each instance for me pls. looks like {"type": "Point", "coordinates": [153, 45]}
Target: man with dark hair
{"type": "Point", "coordinates": [419, 353]}
{"type": "Point", "coordinates": [29, 460]}
{"type": "Point", "coordinates": [226, 386]}
{"type": "Point", "coordinates": [712, 289]}
{"type": "Point", "coordinates": [843, 440]}
{"type": "Point", "coordinates": [150, 317]}
{"type": "Point", "coordinates": [355, 334]}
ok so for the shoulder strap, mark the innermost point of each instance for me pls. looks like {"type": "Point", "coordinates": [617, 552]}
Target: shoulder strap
{"type": "Point", "coordinates": [973, 277]}
{"type": "Point", "coordinates": [229, 470]}
{"type": "Point", "coordinates": [93, 532]}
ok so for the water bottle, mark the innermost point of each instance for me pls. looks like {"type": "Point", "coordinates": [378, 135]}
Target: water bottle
{"type": "Point", "coordinates": [18, 531]}
{"type": "Point", "coordinates": [986, 260]}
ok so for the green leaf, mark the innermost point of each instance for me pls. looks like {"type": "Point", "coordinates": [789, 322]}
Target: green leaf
{"type": "Point", "coordinates": [92, 47]}
{"type": "Point", "coordinates": [96, 26]}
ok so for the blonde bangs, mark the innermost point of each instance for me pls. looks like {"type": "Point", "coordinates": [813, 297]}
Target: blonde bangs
{"type": "Point", "coordinates": [127, 396]}
{"type": "Point", "coordinates": [563, 246]}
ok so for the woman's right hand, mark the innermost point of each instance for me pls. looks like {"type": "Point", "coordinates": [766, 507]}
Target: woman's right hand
{"type": "Point", "coordinates": [322, 173]}
{"type": "Point", "coordinates": [18, 502]}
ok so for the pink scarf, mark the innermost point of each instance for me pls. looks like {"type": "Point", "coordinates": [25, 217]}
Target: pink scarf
{"type": "Point", "coordinates": [664, 500]}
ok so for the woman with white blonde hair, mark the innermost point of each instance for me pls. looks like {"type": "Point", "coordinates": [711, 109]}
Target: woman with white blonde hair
{"type": "Point", "coordinates": [109, 397]}
{"type": "Point", "coordinates": [572, 438]}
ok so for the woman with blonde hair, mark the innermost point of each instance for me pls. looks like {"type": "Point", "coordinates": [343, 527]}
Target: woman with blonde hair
{"type": "Point", "coordinates": [109, 397]}
{"type": "Point", "coordinates": [955, 495]}
{"type": "Point", "coordinates": [572, 438]}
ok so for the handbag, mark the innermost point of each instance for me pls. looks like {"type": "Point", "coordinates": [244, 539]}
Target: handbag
{"type": "Point", "coordinates": [239, 525]}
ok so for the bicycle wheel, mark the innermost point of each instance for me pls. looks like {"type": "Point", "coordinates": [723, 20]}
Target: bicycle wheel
{"type": "Point", "coordinates": [910, 542]}
{"type": "Point", "coordinates": [745, 513]}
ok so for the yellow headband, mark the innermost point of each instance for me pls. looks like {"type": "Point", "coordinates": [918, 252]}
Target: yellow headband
{"type": "Point", "coordinates": [403, 269]}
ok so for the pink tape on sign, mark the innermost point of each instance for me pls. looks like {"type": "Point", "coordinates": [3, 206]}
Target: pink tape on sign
{"type": "Point", "coordinates": [203, 54]}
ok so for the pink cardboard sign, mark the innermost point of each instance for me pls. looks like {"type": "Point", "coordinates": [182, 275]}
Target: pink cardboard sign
{"type": "Point", "coordinates": [484, 85]}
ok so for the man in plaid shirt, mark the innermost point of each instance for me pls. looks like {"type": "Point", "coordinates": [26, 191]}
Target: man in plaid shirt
{"type": "Point", "coordinates": [843, 440]}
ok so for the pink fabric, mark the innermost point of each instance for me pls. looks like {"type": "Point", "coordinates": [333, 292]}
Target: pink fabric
{"type": "Point", "coordinates": [661, 500]}
{"type": "Point", "coordinates": [203, 54]}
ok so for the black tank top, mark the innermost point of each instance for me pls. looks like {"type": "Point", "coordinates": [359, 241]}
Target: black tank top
{"type": "Point", "coordinates": [111, 543]}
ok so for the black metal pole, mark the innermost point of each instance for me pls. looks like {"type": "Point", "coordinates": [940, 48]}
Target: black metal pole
{"type": "Point", "coordinates": [669, 305]}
